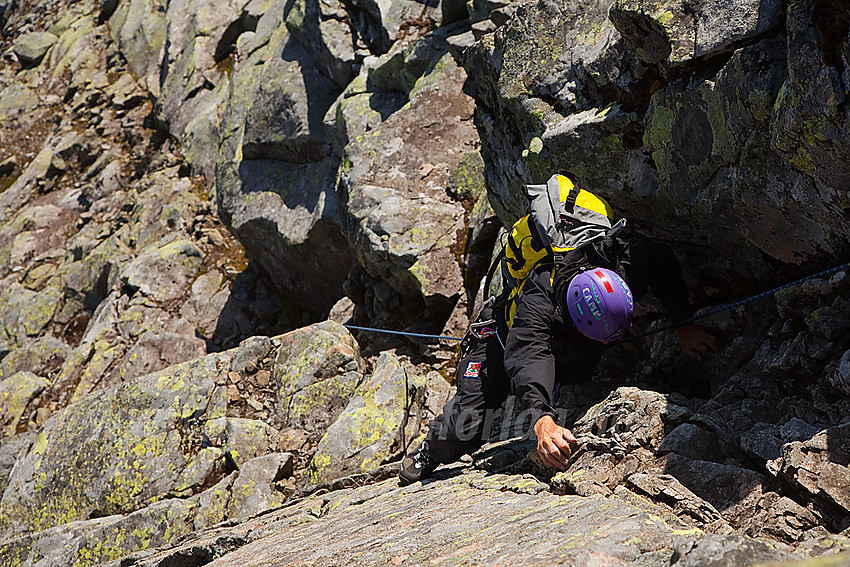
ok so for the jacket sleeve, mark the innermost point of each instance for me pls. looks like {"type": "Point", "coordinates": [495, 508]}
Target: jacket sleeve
{"type": "Point", "coordinates": [529, 359]}
{"type": "Point", "coordinates": [653, 266]}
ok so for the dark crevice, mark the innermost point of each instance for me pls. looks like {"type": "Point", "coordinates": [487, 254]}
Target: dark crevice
{"type": "Point", "coordinates": [227, 44]}
{"type": "Point", "coordinates": [832, 20]}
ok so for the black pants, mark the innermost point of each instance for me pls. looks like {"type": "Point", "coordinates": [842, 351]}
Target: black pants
{"type": "Point", "coordinates": [482, 387]}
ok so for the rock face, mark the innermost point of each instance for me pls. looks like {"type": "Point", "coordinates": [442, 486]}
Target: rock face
{"type": "Point", "coordinates": [188, 189]}
{"type": "Point", "coordinates": [671, 110]}
{"type": "Point", "coordinates": [191, 446]}
{"type": "Point", "coordinates": [373, 426]}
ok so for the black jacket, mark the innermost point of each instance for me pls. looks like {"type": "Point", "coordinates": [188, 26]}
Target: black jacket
{"type": "Point", "coordinates": [543, 346]}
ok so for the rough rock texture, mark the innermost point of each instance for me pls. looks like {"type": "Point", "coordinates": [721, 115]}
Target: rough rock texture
{"type": "Point", "coordinates": [166, 454]}
{"type": "Point", "coordinates": [275, 175]}
{"type": "Point", "coordinates": [355, 148]}
{"type": "Point", "coordinates": [679, 32]}
{"type": "Point", "coordinates": [316, 369]}
{"type": "Point", "coordinates": [668, 127]}
{"type": "Point", "coordinates": [375, 425]}
{"type": "Point", "coordinates": [404, 226]}
{"type": "Point", "coordinates": [480, 518]}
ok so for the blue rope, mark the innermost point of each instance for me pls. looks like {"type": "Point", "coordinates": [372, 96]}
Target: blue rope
{"type": "Point", "coordinates": [688, 321]}
{"type": "Point", "coordinates": [420, 335]}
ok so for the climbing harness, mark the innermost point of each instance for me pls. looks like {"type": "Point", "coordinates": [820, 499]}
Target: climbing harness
{"type": "Point", "coordinates": [483, 327]}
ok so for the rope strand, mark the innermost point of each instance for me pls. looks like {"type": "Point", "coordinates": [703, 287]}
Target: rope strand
{"type": "Point", "coordinates": [688, 321]}
{"type": "Point", "coordinates": [736, 304]}
{"type": "Point", "coordinates": [388, 332]}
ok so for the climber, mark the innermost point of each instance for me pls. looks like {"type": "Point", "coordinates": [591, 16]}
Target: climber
{"type": "Point", "coordinates": [558, 317]}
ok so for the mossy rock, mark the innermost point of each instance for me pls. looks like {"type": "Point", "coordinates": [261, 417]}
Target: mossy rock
{"type": "Point", "coordinates": [369, 430]}
{"type": "Point", "coordinates": [16, 392]}
{"type": "Point", "coordinates": [113, 452]}
{"type": "Point", "coordinates": [316, 370]}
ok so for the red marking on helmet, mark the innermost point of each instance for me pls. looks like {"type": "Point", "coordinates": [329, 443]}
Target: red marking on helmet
{"type": "Point", "coordinates": [604, 279]}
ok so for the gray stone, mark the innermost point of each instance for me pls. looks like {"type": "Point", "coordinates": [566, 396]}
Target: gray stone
{"type": "Point", "coordinates": [10, 449]}
{"type": "Point", "coordinates": [164, 272]}
{"type": "Point", "coordinates": [254, 488]}
{"type": "Point", "coordinates": [370, 429]}
{"type": "Point", "coordinates": [16, 393]}
{"type": "Point", "coordinates": [140, 29]}
{"type": "Point", "coordinates": [42, 356]}
{"type": "Point", "coordinates": [820, 467]}
{"type": "Point", "coordinates": [693, 442]}
{"type": "Point", "coordinates": [732, 490]}
{"type": "Point", "coordinates": [438, 393]}
{"type": "Point", "coordinates": [193, 59]}
{"type": "Point", "coordinates": [212, 503]}
{"type": "Point", "coordinates": [358, 111]}
{"type": "Point", "coordinates": [8, 166]}
{"type": "Point", "coordinates": [634, 417]}
{"type": "Point", "coordinates": [209, 296]}
{"type": "Point", "coordinates": [317, 369]}
{"type": "Point", "coordinates": [156, 350]}
{"type": "Point", "coordinates": [406, 227]}
{"type": "Point", "coordinates": [102, 539]}
{"type": "Point", "coordinates": [342, 312]}
{"type": "Point", "coordinates": [31, 48]}
{"type": "Point", "coordinates": [26, 312]}
{"type": "Point", "coordinates": [677, 32]}
{"type": "Point", "coordinates": [243, 439]}
{"type": "Point", "coordinates": [390, 17]}
{"type": "Point", "coordinates": [114, 452]}
{"type": "Point", "coordinates": [323, 27]}
{"type": "Point", "coordinates": [809, 121]}
{"type": "Point", "coordinates": [629, 535]}
{"type": "Point", "coordinates": [108, 182]}
{"type": "Point", "coordinates": [667, 489]}
{"type": "Point", "coordinates": [840, 378]}
{"type": "Point", "coordinates": [275, 177]}
{"type": "Point", "coordinates": [763, 443]}
{"type": "Point", "coordinates": [252, 350]}
{"type": "Point", "coordinates": [721, 550]}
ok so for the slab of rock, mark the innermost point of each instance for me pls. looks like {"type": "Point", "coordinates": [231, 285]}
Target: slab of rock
{"type": "Point", "coordinates": [275, 176]}
{"type": "Point", "coordinates": [26, 312]}
{"type": "Point", "coordinates": [635, 418]}
{"type": "Point", "coordinates": [820, 467]}
{"type": "Point", "coordinates": [102, 539]}
{"type": "Point", "coordinates": [677, 32]}
{"type": "Point", "coordinates": [666, 489]}
{"type": "Point", "coordinates": [31, 48]}
{"type": "Point", "coordinates": [16, 392]}
{"type": "Point", "coordinates": [325, 27]}
{"type": "Point", "coordinates": [140, 29]}
{"type": "Point", "coordinates": [578, 530]}
{"type": "Point", "coordinates": [810, 117]}
{"type": "Point", "coordinates": [41, 356]}
{"type": "Point", "coordinates": [164, 272]}
{"type": "Point", "coordinates": [10, 449]}
{"type": "Point", "coordinates": [254, 489]}
{"type": "Point", "coordinates": [371, 428]}
{"type": "Point", "coordinates": [406, 229]}
{"type": "Point", "coordinates": [241, 439]}
{"type": "Point", "coordinates": [317, 369]}
{"type": "Point", "coordinates": [113, 452]}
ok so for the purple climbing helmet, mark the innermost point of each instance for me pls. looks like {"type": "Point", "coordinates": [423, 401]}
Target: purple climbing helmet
{"type": "Point", "coordinates": [600, 304]}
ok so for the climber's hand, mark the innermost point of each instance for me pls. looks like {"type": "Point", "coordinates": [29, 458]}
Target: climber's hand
{"type": "Point", "coordinates": [696, 342]}
{"type": "Point", "coordinates": [553, 442]}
